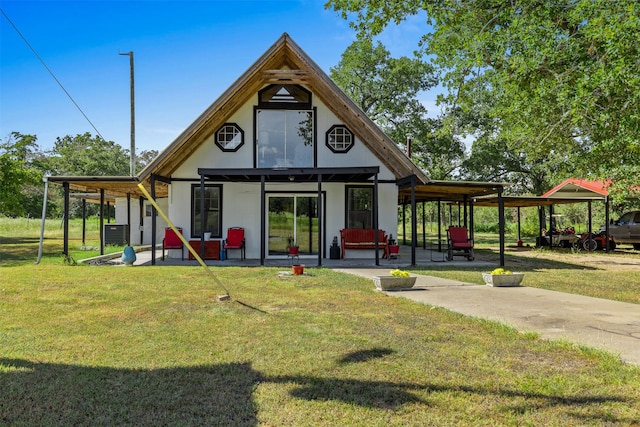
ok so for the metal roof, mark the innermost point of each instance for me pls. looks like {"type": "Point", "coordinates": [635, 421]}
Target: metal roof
{"type": "Point", "coordinates": [449, 191]}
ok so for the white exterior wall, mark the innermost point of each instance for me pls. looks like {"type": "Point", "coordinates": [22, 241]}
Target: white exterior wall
{"type": "Point", "coordinates": [241, 201]}
{"type": "Point", "coordinates": [134, 227]}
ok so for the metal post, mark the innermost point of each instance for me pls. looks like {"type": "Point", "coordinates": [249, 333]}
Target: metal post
{"type": "Point", "coordinates": [65, 247]}
{"type": "Point", "coordinates": [414, 222]}
{"type": "Point", "coordinates": [319, 207]}
{"type": "Point", "coordinates": [501, 224]}
{"type": "Point", "coordinates": [102, 221]}
{"type": "Point", "coordinates": [375, 218]}
{"type": "Point", "coordinates": [203, 222]}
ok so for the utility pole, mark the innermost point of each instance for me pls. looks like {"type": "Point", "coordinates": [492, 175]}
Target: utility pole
{"type": "Point", "coordinates": [132, 162]}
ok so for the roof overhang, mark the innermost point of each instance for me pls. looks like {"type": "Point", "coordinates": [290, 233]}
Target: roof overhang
{"type": "Point", "coordinates": [115, 186]}
{"type": "Point", "coordinates": [449, 191]}
{"type": "Point", "coordinates": [342, 174]}
{"type": "Point", "coordinates": [530, 201]}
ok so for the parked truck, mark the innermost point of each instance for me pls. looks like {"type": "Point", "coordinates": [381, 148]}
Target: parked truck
{"type": "Point", "coordinates": [626, 230]}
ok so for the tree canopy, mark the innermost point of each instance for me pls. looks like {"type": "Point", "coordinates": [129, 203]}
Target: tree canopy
{"type": "Point", "coordinates": [387, 90]}
{"type": "Point", "coordinates": [564, 75]}
{"type": "Point", "coordinates": [18, 173]}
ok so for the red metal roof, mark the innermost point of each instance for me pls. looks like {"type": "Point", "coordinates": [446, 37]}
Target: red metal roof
{"type": "Point", "coordinates": [578, 187]}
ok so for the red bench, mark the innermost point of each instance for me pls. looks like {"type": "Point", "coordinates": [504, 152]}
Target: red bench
{"type": "Point", "coordinates": [363, 238]}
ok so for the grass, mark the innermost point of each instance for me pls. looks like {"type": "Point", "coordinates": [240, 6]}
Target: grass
{"type": "Point", "coordinates": [152, 346]}
{"type": "Point", "coordinates": [20, 237]}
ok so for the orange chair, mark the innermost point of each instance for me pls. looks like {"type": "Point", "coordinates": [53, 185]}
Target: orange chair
{"type": "Point", "coordinates": [235, 240]}
{"type": "Point", "coordinates": [172, 241]}
{"type": "Point", "coordinates": [459, 243]}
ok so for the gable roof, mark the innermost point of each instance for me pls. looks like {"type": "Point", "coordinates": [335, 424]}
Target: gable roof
{"type": "Point", "coordinates": [579, 188]}
{"type": "Point", "coordinates": [284, 62]}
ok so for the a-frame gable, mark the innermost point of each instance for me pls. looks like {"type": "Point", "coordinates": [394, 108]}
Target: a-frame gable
{"type": "Point", "coordinates": [283, 63]}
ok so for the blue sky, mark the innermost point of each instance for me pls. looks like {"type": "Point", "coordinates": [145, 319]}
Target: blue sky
{"type": "Point", "coordinates": [186, 54]}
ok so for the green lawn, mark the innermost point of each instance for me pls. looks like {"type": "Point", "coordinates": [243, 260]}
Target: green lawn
{"type": "Point", "coordinates": [82, 345]}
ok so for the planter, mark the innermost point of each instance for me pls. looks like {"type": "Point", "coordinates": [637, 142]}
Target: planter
{"type": "Point", "coordinates": [298, 269]}
{"type": "Point", "coordinates": [393, 283]}
{"type": "Point", "coordinates": [513, 279]}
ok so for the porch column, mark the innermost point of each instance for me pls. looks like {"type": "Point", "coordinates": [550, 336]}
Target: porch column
{"type": "Point", "coordinates": [424, 228]}
{"type": "Point", "coordinates": [465, 201]}
{"type": "Point", "coordinates": [203, 223]}
{"type": "Point", "coordinates": [414, 221]}
{"type": "Point", "coordinates": [263, 220]}
{"type": "Point", "coordinates": [320, 224]}
{"type": "Point", "coordinates": [84, 221]}
{"type": "Point", "coordinates": [376, 226]}
{"type": "Point", "coordinates": [519, 235]}
{"type": "Point", "coordinates": [65, 244]}
{"type": "Point", "coordinates": [101, 221]}
{"type": "Point", "coordinates": [439, 226]}
{"type": "Point", "coordinates": [154, 222]}
{"type": "Point", "coordinates": [590, 221]}
{"type": "Point", "coordinates": [552, 227]}
{"type": "Point", "coordinates": [129, 219]}
{"type": "Point", "coordinates": [141, 219]}
{"type": "Point", "coordinates": [501, 224]}
{"type": "Point", "coordinates": [471, 220]}
{"type": "Point", "coordinates": [606, 218]}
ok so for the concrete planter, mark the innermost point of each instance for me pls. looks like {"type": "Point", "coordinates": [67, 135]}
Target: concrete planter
{"type": "Point", "coordinates": [513, 279]}
{"type": "Point", "coordinates": [393, 283]}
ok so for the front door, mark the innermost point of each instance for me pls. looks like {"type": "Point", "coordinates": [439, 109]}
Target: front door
{"type": "Point", "coordinates": [292, 220]}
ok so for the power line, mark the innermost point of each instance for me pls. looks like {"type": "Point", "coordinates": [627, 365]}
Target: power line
{"type": "Point", "coordinates": [50, 72]}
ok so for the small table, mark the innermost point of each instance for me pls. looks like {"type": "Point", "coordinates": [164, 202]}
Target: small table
{"type": "Point", "coordinates": [211, 248]}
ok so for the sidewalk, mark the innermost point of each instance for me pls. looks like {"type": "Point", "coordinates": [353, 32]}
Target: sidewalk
{"type": "Point", "coordinates": [608, 325]}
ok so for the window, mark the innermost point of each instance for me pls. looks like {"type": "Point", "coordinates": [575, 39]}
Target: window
{"type": "Point", "coordinates": [359, 207]}
{"type": "Point", "coordinates": [212, 210]}
{"type": "Point", "coordinates": [339, 139]}
{"type": "Point", "coordinates": [284, 138]}
{"type": "Point", "coordinates": [285, 96]}
{"type": "Point", "coordinates": [284, 121]}
{"type": "Point", "coordinates": [229, 137]}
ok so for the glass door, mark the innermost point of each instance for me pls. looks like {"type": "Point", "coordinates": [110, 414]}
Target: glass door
{"type": "Point", "coordinates": [292, 220]}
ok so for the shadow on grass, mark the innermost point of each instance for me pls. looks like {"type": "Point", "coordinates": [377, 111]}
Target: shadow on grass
{"type": "Point", "coordinates": [50, 394]}
{"type": "Point", "coordinates": [47, 394]}
{"type": "Point", "coordinates": [514, 261]}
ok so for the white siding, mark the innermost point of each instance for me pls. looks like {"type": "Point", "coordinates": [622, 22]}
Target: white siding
{"type": "Point", "coordinates": [241, 201]}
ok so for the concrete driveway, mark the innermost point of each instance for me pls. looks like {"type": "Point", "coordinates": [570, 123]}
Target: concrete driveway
{"type": "Point", "coordinates": [608, 325]}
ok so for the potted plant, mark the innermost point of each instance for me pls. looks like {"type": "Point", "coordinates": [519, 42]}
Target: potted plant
{"type": "Point", "coordinates": [293, 247]}
{"type": "Point", "coordinates": [501, 277]}
{"type": "Point", "coordinates": [396, 280]}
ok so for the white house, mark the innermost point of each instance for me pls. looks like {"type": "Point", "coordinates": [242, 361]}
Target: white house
{"type": "Point", "coordinates": [282, 153]}
{"type": "Point", "coordinates": [281, 143]}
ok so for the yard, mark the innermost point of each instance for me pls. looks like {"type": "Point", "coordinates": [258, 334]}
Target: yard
{"type": "Point", "coordinates": [153, 346]}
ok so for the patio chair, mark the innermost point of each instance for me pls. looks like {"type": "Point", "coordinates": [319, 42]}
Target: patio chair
{"type": "Point", "coordinates": [235, 240]}
{"type": "Point", "coordinates": [459, 243]}
{"type": "Point", "coordinates": [172, 241]}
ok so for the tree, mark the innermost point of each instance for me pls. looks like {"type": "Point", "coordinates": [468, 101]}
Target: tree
{"type": "Point", "coordinates": [85, 155]}
{"type": "Point", "coordinates": [564, 73]}
{"type": "Point", "coordinates": [18, 173]}
{"type": "Point", "coordinates": [387, 90]}
{"type": "Point", "coordinates": [144, 158]}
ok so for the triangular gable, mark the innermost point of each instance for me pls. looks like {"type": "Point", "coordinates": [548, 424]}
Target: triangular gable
{"type": "Point", "coordinates": [284, 62]}
{"type": "Point", "coordinates": [579, 188]}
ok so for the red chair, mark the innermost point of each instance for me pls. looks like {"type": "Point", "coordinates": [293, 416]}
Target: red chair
{"type": "Point", "coordinates": [235, 240]}
{"type": "Point", "coordinates": [172, 241]}
{"type": "Point", "coordinates": [459, 243]}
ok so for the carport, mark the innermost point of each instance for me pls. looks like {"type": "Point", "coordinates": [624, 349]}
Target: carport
{"type": "Point", "coordinates": [460, 192]}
